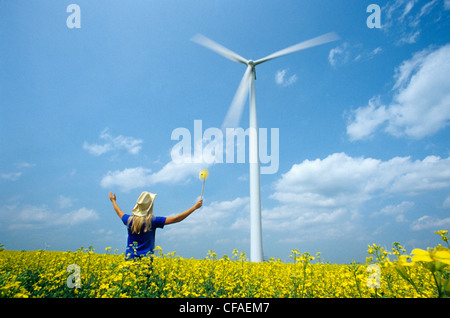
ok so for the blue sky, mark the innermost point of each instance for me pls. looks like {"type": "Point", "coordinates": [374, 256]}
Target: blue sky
{"type": "Point", "coordinates": [364, 151]}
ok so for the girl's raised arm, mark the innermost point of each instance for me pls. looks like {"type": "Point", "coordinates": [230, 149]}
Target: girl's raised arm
{"type": "Point", "coordinates": [112, 197]}
{"type": "Point", "coordinates": [180, 217]}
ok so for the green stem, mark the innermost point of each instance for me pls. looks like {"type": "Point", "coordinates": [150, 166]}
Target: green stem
{"type": "Point", "coordinates": [438, 285]}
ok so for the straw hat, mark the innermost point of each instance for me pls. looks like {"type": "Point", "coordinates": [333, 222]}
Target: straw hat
{"type": "Point", "coordinates": [144, 204]}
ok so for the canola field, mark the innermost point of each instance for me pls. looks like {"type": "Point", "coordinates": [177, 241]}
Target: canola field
{"type": "Point", "coordinates": [389, 273]}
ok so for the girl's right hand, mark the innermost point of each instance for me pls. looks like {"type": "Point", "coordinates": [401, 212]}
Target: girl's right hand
{"type": "Point", "coordinates": [198, 204]}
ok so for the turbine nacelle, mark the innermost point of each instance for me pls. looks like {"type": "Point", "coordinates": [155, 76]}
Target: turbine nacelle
{"type": "Point", "coordinates": [252, 65]}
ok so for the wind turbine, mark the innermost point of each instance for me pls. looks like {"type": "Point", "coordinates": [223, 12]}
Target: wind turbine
{"type": "Point", "coordinates": [233, 117]}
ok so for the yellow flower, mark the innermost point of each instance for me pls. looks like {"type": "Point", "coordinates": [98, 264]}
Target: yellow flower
{"type": "Point", "coordinates": [204, 174]}
{"type": "Point", "coordinates": [443, 235]}
{"type": "Point", "coordinates": [439, 257]}
{"type": "Point", "coordinates": [172, 276]}
{"type": "Point", "coordinates": [403, 260]}
{"type": "Point", "coordinates": [421, 256]}
{"type": "Point", "coordinates": [443, 256]}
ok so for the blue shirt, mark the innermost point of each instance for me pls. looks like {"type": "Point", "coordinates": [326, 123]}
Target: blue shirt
{"type": "Point", "coordinates": [142, 244]}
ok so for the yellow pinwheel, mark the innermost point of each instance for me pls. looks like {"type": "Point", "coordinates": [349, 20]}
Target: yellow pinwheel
{"type": "Point", "coordinates": [203, 175]}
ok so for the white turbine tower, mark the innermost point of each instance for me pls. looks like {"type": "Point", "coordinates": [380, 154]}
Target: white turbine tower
{"type": "Point", "coordinates": [233, 117]}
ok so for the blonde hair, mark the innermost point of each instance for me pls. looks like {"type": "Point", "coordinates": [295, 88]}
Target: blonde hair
{"type": "Point", "coordinates": [140, 222]}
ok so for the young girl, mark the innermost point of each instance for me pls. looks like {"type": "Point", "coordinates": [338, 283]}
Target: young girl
{"type": "Point", "coordinates": [142, 224]}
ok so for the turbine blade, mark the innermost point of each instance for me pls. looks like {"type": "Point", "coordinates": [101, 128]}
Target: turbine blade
{"type": "Point", "coordinates": [329, 37]}
{"type": "Point", "coordinates": [210, 44]}
{"type": "Point", "coordinates": [234, 113]}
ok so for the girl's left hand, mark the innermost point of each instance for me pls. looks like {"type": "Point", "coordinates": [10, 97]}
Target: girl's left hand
{"type": "Point", "coordinates": [112, 196]}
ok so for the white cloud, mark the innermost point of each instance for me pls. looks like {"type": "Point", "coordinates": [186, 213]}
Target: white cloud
{"type": "Point", "coordinates": [132, 178]}
{"type": "Point", "coordinates": [287, 217]}
{"type": "Point", "coordinates": [172, 172]}
{"type": "Point", "coordinates": [421, 102]}
{"type": "Point", "coordinates": [103, 232]}
{"type": "Point", "coordinates": [338, 55]}
{"type": "Point", "coordinates": [129, 144]}
{"type": "Point", "coordinates": [40, 217]}
{"type": "Point", "coordinates": [447, 4]}
{"type": "Point", "coordinates": [64, 202]}
{"type": "Point", "coordinates": [408, 68]}
{"type": "Point", "coordinates": [367, 119]}
{"type": "Point", "coordinates": [75, 217]}
{"type": "Point", "coordinates": [340, 176]}
{"type": "Point", "coordinates": [407, 9]}
{"type": "Point", "coordinates": [410, 37]}
{"type": "Point", "coordinates": [34, 214]}
{"type": "Point", "coordinates": [12, 176]}
{"type": "Point", "coordinates": [398, 210]}
{"type": "Point", "coordinates": [402, 18]}
{"type": "Point", "coordinates": [346, 53]}
{"type": "Point", "coordinates": [18, 171]}
{"type": "Point", "coordinates": [376, 51]}
{"type": "Point", "coordinates": [127, 179]}
{"type": "Point", "coordinates": [23, 165]}
{"type": "Point", "coordinates": [175, 172]}
{"type": "Point", "coordinates": [427, 222]}
{"type": "Point", "coordinates": [332, 182]}
{"type": "Point", "coordinates": [283, 80]}
{"type": "Point", "coordinates": [335, 190]}
{"type": "Point", "coordinates": [446, 204]}
{"type": "Point", "coordinates": [426, 8]}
